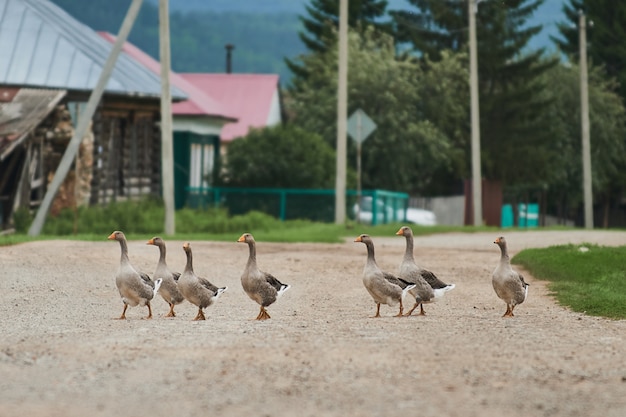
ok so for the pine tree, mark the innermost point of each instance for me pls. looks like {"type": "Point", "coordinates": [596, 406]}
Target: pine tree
{"type": "Point", "coordinates": [322, 24]}
{"type": "Point", "coordinates": [606, 32]}
{"type": "Point", "coordinates": [511, 122]}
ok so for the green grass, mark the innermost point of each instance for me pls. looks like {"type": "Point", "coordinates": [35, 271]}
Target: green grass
{"type": "Point", "coordinates": [144, 219]}
{"type": "Point", "coordinates": [592, 282]}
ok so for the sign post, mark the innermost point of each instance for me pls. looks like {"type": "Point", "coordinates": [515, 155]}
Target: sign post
{"type": "Point", "coordinates": [360, 126]}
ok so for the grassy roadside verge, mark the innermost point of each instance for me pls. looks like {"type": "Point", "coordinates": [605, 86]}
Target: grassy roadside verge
{"type": "Point", "coordinates": [591, 280]}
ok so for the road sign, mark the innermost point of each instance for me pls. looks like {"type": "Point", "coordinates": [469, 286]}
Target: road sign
{"type": "Point", "coordinates": [360, 126]}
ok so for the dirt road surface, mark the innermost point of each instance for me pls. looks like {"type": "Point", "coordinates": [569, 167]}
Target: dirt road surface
{"type": "Point", "coordinates": [62, 352]}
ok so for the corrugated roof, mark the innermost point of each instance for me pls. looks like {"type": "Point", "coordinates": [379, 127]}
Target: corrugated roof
{"type": "Point", "coordinates": [43, 46]}
{"type": "Point", "coordinates": [249, 96]}
{"type": "Point", "coordinates": [197, 104]}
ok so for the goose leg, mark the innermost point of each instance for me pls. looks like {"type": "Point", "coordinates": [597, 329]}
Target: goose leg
{"type": "Point", "coordinates": [263, 314]}
{"type": "Point", "coordinates": [200, 315]}
{"type": "Point", "coordinates": [377, 311]}
{"type": "Point", "coordinates": [401, 310]}
{"type": "Point", "coordinates": [123, 316]}
{"type": "Point", "coordinates": [422, 312]}
{"type": "Point", "coordinates": [171, 313]}
{"type": "Point", "coordinates": [412, 309]}
{"type": "Point", "coordinates": [512, 307]}
{"type": "Point", "coordinates": [149, 310]}
{"type": "Point", "coordinates": [509, 312]}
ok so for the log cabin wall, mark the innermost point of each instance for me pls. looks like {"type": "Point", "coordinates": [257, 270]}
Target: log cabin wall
{"type": "Point", "coordinates": [127, 154]}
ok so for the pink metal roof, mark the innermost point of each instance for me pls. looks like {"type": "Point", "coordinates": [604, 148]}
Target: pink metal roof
{"type": "Point", "coordinates": [249, 96]}
{"type": "Point", "coordinates": [198, 104]}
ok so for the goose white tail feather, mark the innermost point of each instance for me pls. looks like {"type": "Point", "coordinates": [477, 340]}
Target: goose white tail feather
{"type": "Point", "coordinates": [282, 290]}
{"type": "Point", "coordinates": [526, 292]}
{"type": "Point", "coordinates": [220, 291]}
{"type": "Point", "coordinates": [407, 289]}
{"type": "Point", "coordinates": [157, 285]}
{"type": "Point", "coordinates": [439, 292]}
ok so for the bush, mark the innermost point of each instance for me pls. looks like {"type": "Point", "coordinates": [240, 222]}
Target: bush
{"type": "Point", "coordinates": [22, 218]}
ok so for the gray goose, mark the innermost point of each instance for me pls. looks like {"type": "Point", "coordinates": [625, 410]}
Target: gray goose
{"type": "Point", "coordinates": [135, 287]}
{"type": "Point", "coordinates": [169, 289]}
{"type": "Point", "coordinates": [385, 288]}
{"type": "Point", "coordinates": [427, 286]}
{"type": "Point", "coordinates": [197, 290]}
{"type": "Point", "coordinates": [260, 286]}
{"type": "Point", "coordinates": [508, 283]}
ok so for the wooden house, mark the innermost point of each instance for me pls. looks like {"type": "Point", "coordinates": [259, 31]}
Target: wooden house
{"type": "Point", "coordinates": [50, 63]}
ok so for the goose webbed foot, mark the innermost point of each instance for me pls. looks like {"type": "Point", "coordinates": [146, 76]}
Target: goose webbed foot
{"type": "Point", "coordinates": [171, 312]}
{"type": "Point", "coordinates": [422, 312]}
{"type": "Point", "coordinates": [200, 315]}
{"type": "Point", "coordinates": [263, 314]}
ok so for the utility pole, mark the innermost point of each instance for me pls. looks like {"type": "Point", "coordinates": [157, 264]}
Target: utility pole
{"type": "Point", "coordinates": [342, 114]}
{"type": "Point", "coordinates": [584, 117]}
{"type": "Point", "coordinates": [477, 193]}
{"type": "Point", "coordinates": [84, 120]}
{"type": "Point", "coordinates": [167, 147]}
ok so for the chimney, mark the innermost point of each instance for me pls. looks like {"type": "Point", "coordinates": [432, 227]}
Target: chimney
{"type": "Point", "coordinates": [229, 57]}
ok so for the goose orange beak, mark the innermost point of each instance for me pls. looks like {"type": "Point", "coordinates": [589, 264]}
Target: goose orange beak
{"type": "Point", "coordinates": [186, 245]}
{"type": "Point", "coordinates": [242, 238]}
{"type": "Point", "coordinates": [497, 240]}
{"type": "Point", "coordinates": [111, 236]}
{"type": "Point", "coordinates": [358, 239]}
{"type": "Point", "coordinates": [150, 242]}
{"type": "Point", "coordinates": [399, 232]}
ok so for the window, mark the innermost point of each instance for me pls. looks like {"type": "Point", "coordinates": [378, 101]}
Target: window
{"type": "Point", "coordinates": [201, 166]}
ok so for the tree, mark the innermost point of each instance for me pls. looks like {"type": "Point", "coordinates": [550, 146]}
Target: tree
{"type": "Point", "coordinates": [280, 157]}
{"type": "Point", "coordinates": [608, 126]}
{"type": "Point", "coordinates": [511, 105]}
{"type": "Point", "coordinates": [406, 149]}
{"type": "Point", "coordinates": [322, 24]}
{"type": "Point", "coordinates": [604, 38]}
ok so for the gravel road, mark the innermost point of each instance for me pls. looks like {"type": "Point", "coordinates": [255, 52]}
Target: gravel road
{"type": "Point", "coordinates": [62, 352]}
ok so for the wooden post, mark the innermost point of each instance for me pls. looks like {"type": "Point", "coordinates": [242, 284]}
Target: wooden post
{"type": "Point", "coordinates": [167, 147]}
{"type": "Point", "coordinates": [342, 115]}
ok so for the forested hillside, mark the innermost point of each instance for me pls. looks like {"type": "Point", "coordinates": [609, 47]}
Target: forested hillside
{"type": "Point", "coordinates": [264, 32]}
{"type": "Point", "coordinates": [197, 39]}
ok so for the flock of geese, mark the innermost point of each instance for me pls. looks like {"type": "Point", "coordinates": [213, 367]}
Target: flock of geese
{"type": "Point", "coordinates": [137, 288]}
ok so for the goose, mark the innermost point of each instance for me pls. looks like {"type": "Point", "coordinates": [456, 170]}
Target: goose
{"type": "Point", "coordinates": [428, 287]}
{"type": "Point", "coordinates": [508, 283]}
{"type": "Point", "coordinates": [169, 289]}
{"type": "Point", "coordinates": [135, 287]}
{"type": "Point", "coordinates": [385, 288]}
{"type": "Point", "coordinates": [260, 286]}
{"type": "Point", "coordinates": [197, 290]}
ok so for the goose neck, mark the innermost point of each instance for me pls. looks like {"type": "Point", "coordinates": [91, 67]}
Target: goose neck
{"type": "Point", "coordinates": [189, 264]}
{"type": "Point", "coordinates": [252, 254]}
{"type": "Point", "coordinates": [408, 253]}
{"type": "Point", "coordinates": [162, 254]}
{"type": "Point", "coordinates": [124, 250]}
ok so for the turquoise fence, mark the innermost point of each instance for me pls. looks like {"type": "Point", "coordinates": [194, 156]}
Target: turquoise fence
{"type": "Point", "coordinates": [377, 206]}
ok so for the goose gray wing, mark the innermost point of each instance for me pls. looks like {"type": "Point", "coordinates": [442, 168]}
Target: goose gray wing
{"type": "Point", "coordinates": [432, 279]}
{"type": "Point", "coordinates": [274, 282]}
{"type": "Point", "coordinates": [396, 280]}
{"type": "Point", "coordinates": [146, 279]}
{"type": "Point", "coordinates": [207, 284]}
